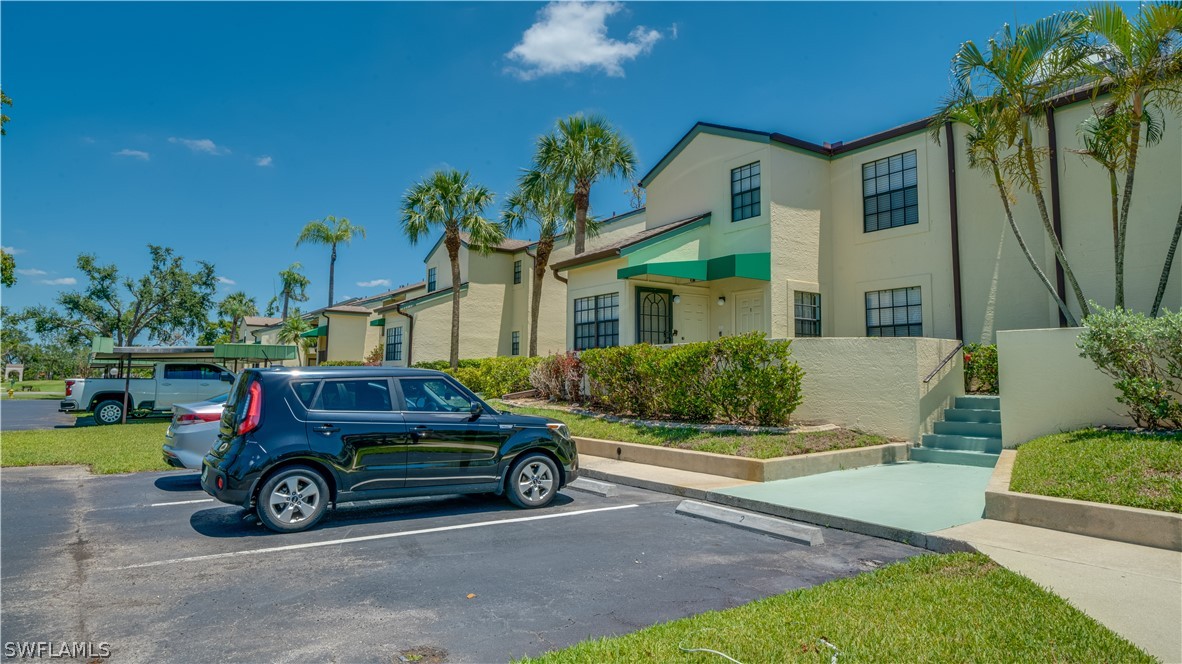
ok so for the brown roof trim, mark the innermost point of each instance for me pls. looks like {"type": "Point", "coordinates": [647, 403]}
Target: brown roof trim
{"type": "Point", "coordinates": [614, 248]}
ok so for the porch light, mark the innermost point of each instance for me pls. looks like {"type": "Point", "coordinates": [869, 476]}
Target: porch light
{"type": "Point", "coordinates": [676, 299]}
{"type": "Point", "coordinates": [721, 300]}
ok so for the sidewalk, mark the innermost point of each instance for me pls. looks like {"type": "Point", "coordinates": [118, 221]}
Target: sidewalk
{"type": "Point", "coordinates": [1135, 591]}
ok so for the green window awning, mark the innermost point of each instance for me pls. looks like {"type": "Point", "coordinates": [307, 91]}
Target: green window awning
{"type": "Point", "coordinates": [316, 332]}
{"type": "Point", "coordinates": [747, 266]}
{"type": "Point", "coordinates": [254, 351]}
{"type": "Point", "coordinates": [381, 322]}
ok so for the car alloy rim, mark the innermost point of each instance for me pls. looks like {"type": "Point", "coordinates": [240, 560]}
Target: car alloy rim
{"type": "Point", "coordinates": [109, 413]}
{"type": "Point", "coordinates": [295, 499]}
{"type": "Point", "coordinates": [534, 481]}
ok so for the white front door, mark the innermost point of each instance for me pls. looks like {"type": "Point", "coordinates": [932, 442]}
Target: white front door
{"type": "Point", "coordinates": [689, 317]}
{"type": "Point", "coordinates": [749, 312]}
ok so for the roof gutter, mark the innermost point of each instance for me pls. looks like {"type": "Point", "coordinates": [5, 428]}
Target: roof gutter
{"type": "Point", "coordinates": [410, 331]}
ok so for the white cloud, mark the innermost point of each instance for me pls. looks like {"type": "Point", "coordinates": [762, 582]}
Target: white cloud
{"type": "Point", "coordinates": [227, 281]}
{"type": "Point", "coordinates": [201, 145]}
{"type": "Point", "coordinates": [572, 37]}
{"type": "Point", "coordinates": [12, 250]}
{"type": "Point", "coordinates": [374, 282]}
{"type": "Point", "coordinates": [64, 281]}
{"type": "Point", "coordinates": [32, 272]}
{"type": "Point", "coordinates": [134, 154]}
{"type": "Point", "coordinates": [265, 160]}
{"type": "Point", "coordinates": [88, 140]}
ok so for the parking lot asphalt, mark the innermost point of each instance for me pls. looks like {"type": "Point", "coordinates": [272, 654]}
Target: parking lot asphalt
{"type": "Point", "coordinates": [146, 563]}
{"type": "Point", "coordinates": [26, 414]}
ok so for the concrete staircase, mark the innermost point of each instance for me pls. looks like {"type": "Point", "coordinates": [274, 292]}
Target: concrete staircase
{"type": "Point", "coordinates": [969, 435]}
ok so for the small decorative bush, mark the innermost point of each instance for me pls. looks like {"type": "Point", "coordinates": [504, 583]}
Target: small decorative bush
{"type": "Point", "coordinates": [1144, 357]}
{"type": "Point", "coordinates": [491, 376]}
{"type": "Point", "coordinates": [558, 377]}
{"type": "Point", "coordinates": [980, 368]}
{"type": "Point", "coordinates": [755, 380]}
{"type": "Point", "coordinates": [374, 358]}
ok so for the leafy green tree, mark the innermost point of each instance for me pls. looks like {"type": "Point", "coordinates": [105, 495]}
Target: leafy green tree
{"type": "Point", "coordinates": [272, 307]}
{"type": "Point", "coordinates": [448, 200]}
{"type": "Point", "coordinates": [330, 232]}
{"type": "Point", "coordinates": [544, 202]}
{"type": "Point", "coordinates": [290, 333]}
{"type": "Point", "coordinates": [15, 341]}
{"type": "Point", "coordinates": [234, 307]}
{"type": "Point", "coordinates": [167, 301]}
{"type": "Point", "coordinates": [295, 284]}
{"type": "Point", "coordinates": [1020, 71]}
{"type": "Point", "coordinates": [5, 100]}
{"type": "Point", "coordinates": [216, 332]}
{"type": "Point", "coordinates": [580, 151]}
{"type": "Point", "coordinates": [7, 269]}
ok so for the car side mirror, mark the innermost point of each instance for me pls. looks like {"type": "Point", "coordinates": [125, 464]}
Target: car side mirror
{"type": "Point", "coordinates": [227, 378]}
{"type": "Point", "coordinates": [476, 410]}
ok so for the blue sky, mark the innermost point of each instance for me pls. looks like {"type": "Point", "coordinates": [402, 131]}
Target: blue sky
{"type": "Point", "coordinates": [220, 129]}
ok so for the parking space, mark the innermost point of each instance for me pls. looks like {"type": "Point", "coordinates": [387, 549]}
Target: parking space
{"type": "Point", "coordinates": [28, 414]}
{"type": "Point", "coordinates": [146, 563]}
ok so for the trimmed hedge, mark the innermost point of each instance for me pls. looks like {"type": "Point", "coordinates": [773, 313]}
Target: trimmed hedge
{"type": "Point", "coordinates": [342, 363]}
{"type": "Point", "coordinates": [980, 368]}
{"type": "Point", "coordinates": [743, 379]}
{"type": "Point", "coordinates": [494, 376]}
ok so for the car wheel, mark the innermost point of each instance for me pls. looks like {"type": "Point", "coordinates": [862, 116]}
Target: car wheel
{"type": "Point", "coordinates": [292, 500]}
{"type": "Point", "coordinates": [533, 482]}
{"type": "Point", "coordinates": [108, 412]}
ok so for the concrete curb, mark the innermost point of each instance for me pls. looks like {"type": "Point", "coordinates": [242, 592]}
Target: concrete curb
{"type": "Point", "coordinates": [759, 523]}
{"type": "Point", "coordinates": [594, 487]}
{"type": "Point", "coordinates": [1162, 530]}
{"type": "Point", "coordinates": [752, 470]}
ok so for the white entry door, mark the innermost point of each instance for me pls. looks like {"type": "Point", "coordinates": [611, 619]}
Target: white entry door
{"type": "Point", "coordinates": [689, 318]}
{"type": "Point", "coordinates": [749, 312]}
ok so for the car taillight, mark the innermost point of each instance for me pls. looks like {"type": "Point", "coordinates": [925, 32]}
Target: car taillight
{"type": "Point", "coordinates": [195, 418]}
{"type": "Point", "coordinates": [254, 409]}
{"type": "Point", "coordinates": [69, 387]}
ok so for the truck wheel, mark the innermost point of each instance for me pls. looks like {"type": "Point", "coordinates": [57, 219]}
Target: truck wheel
{"type": "Point", "coordinates": [108, 412]}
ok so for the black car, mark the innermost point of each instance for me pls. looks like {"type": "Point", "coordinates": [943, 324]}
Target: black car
{"type": "Point", "coordinates": [295, 440]}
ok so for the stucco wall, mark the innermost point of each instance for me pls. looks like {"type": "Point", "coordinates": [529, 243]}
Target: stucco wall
{"type": "Point", "coordinates": [876, 385]}
{"type": "Point", "coordinates": [1046, 387]}
{"type": "Point", "coordinates": [346, 336]}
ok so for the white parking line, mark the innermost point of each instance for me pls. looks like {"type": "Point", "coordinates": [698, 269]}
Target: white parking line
{"type": "Point", "coordinates": [367, 538]}
{"type": "Point", "coordinates": [182, 502]}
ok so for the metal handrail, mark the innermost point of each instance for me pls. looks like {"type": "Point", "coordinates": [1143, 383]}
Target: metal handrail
{"type": "Point", "coordinates": [959, 345]}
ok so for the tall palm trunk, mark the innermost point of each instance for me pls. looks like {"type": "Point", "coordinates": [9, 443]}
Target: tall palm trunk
{"type": "Point", "coordinates": [332, 270]}
{"type": "Point", "coordinates": [1165, 270]}
{"type": "Point", "coordinates": [1117, 254]}
{"type": "Point", "coordinates": [452, 241]}
{"type": "Point", "coordinates": [582, 203]}
{"type": "Point", "coordinates": [285, 296]}
{"type": "Point", "coordinates": [545, 246]}
{"type": "Point", "coordinates": [1027, 149]}
{"type": "Point", "coordinates": [1005, 201]}
{"type": "Point", "coordinates": [1134, 145]}
{"type": "Point", "coordinates": [234, 331]}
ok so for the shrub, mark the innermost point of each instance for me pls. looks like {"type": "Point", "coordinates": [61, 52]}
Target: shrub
{"type": "Point", "coordinates": [685, 386]}
{"type": "Point", "coordinates": [493, 376]}
{"type": "Point", "coordinates": [558, 377]}
{"type": "Point", "coordinates": [755, 380]}
{"type": "Point", "coordinates": [341, 363]}
{"type": "Point", "coordinates": [980, 368]}
{"type": "Point", "coordinates": [375, 356]}
{"type": "Point", "coordinates": [625, 379]}
{"type": "Point", "coordinates": [1144, 357]}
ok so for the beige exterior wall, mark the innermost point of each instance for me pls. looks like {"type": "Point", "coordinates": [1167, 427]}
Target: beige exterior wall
{"type": "Point", "coordinates": [1047, 387]}
{"type": "Point", "coordinates": [346, 336]}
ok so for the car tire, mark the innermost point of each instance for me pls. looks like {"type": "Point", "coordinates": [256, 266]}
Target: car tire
{"type": "Point", "coordinates": [283, 513]}
{"type": "Point", "coordinates": [108, 412]}
{"type": "Point", "coordinates": [533, 481]}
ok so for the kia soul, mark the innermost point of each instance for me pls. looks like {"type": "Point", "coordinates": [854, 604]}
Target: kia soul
{"type": "Point", "coordinates": [294, 441]}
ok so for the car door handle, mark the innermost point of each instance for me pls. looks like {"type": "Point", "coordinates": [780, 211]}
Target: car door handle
{"type": "Point", "coordinates": [419, 430]}
{"type": "Point", "coordinates": [325, 429]}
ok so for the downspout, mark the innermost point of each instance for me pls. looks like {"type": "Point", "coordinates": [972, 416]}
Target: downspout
{"type": "Point", "coordinates": [410, 331]}
{"type": "Point", "coordinates": [955, 222]}
{"type": "Point", "coordinates": [558, 276]}
{"type": "Point", "coordinates": [1056, 216]}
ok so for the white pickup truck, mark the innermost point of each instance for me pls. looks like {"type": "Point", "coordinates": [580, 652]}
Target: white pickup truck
{"type": "Point", "coordinates": [171, 383]}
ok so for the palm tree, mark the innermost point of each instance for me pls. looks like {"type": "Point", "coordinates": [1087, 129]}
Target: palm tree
{"type": "Point", "coordinates": [447, 199]}
{"type": "Point", "coordinates": [580, 151]}
{"type": "Point", "coordinates": [235, 306]}
{"type": "Point", "coordinates": [1022, 70]}
{"type": "Point", "coordinates": [547, 203]}
{"type": "Point", "coordinates": [290, 333]}
{"type": "Point", "coordinates": [295, 285]}
{"type": "Point", "coordinates": [330, 232]}
{"type": "Point", "coordinates": [1137, 59]}
{"type": "Point", "coordinates": [984, 144]}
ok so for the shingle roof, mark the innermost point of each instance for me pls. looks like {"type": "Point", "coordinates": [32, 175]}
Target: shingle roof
{"type": "Point", "coordinates": [348, 309]}
{"type": "Point", "coordinates": [261, 321]}
{"type": "Point", "coordinates": [614, 248]}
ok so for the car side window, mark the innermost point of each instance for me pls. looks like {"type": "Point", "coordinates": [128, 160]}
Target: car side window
{"type": "Point", "coordinates": [182, 372]}
{"type": "Point", "coordinates": [305, 390]}
{"type": "Point", "coordinates": [433, 395]}
{"type": "Point", "coordinates": [360, 394]}
{"type": "Point", "coordinates": [210, 372]}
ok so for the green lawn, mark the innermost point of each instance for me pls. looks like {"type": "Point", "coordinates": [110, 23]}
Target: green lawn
{"type": "Point", "coordinates": [118, 448]}
{"type": "Point", "coordinates": [755, 446]}
{"type": "Point", "coordinates": [42, 389]}
{"type": "Point", "coordinates": [1118, 468]}
{"type": "Point", "coordinates": [954, 608]}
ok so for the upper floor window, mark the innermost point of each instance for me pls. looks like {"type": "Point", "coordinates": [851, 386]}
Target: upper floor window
{"type": "Point", "coordinates": [597, 321]}
{"type": "Point", "coordinates": [890, 196]}
{"type": "Point", "coordinates": [516, 343]}
{"type": "Point", "coordinates": [394, 344]}
{"type": "Point", "coordinates": [807, 309]}
{"type": "Point", "coordinates": [430, 280]}
{"type": "Point", "coordinates": [745, 192]}
{"type": "Point", "coordinates": [897, 312]}
{"type": "Point", "coordinates": [516, 272]}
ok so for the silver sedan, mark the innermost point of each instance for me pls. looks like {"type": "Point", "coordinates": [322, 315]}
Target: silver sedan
{"type": "Point", "coordinates": [193, 431]}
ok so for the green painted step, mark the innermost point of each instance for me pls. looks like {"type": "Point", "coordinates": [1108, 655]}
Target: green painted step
{"type": "Point", "coordinates": [972, 415]}
{"type": "Point", "coordinates": [962, 443]}
{"type": "Point", "coordinates": [979, 402]}
{"type": "Point", "coordinates": [956, 457]}
{"type": "Point", "coordinates": [979, 429]}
